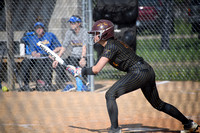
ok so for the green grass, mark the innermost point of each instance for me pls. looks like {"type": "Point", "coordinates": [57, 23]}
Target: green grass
{"type": "Point", "coordinates": [182, 27]}
{"type": "Point", "coordinates": [181, 62]}
{"type": "Point", "coordinates": [180, 50]}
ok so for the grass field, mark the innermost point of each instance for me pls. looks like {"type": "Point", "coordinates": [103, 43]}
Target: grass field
{"type": "Point", "coordinates": [181, 62]}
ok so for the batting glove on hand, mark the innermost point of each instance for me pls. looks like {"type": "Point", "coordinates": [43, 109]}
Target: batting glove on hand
{"type": "Point", "coordinates": [73, 70]}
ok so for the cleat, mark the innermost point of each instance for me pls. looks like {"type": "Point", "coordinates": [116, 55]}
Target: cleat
{"type": "Point", "coordinates": [115, 130]}
{"type": "Point", "coordinates": [191, 127]}
{"type": "Point", "coordinates": [26, 88]}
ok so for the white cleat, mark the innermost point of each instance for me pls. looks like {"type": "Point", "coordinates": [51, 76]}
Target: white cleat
{"type": "Point", "coordinates": [191, 127]}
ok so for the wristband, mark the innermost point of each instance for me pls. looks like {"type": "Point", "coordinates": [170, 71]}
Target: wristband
{"type": "Point", "coordinates": [87, 71]}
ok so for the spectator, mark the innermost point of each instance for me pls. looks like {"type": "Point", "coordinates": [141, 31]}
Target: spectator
{"type": "Point", "coordinates": [75, 42]}
{"type": "Point", "coordinates": [39, 60]}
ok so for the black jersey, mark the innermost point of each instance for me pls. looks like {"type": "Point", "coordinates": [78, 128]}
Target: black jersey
{"type": "Point", "coordinates": [121, 55]}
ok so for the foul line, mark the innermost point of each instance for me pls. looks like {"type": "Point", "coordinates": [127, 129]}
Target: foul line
{"type": "Point", "coordinates": [163, 82]}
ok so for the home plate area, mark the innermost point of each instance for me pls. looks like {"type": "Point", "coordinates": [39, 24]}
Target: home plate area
{"type": "Point", "coordinates": [139, 128]}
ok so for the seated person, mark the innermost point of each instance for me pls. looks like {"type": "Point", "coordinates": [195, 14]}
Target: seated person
{"type": "Point", "coordinates": [40, 62]}
{"type": "Point", "coordinates": [75, 43]}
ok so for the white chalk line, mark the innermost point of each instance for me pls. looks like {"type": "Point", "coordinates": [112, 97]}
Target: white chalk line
{"type": "Point", "coordinates": [185, 92]}
{"type": "Point", "coordinates": [21, 125]}
{"type": "Point", "coordinates": [162, 82]}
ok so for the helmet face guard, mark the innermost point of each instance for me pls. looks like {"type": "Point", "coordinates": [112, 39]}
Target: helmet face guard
{"type": "Point", "coordinates": [104, 28]}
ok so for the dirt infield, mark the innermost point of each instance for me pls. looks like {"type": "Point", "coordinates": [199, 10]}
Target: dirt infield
{"type": "Point", "coordinates": [85, 112]}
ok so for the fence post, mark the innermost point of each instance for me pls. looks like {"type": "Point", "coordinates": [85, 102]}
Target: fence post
{"type": "Point", "coordinates": [91, 77]}
{"type": "Point", "coordinates": [167, 22]}
{"type": "Point", "coordinates": [10, 47]}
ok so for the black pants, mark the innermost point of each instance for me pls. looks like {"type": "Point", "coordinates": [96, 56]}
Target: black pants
{"type": "Point", "coordinates": [40, 69]}
{"type": "Point", "coordinates": [144, 79]}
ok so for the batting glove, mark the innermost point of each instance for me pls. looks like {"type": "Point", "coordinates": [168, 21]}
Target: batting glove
{"type": "Point", "coordinates": [73, 70]}
{"type": "Point", "coordinates": [78, 71]}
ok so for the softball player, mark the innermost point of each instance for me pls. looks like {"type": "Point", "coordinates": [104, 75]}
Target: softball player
{"type": "Point", "coordinates": [139, 75]}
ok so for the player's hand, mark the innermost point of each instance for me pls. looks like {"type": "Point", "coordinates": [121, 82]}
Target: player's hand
{"type": "Point", "coordinates": [82, 62]}
{"type": "Point", "coordinates": [55, 64]}
{"type": "Point", "coordinates": [78, 71]}
{"type": "Point", "coordinates": [73, 70]}
{"type": "Point", "coordinates": [35, 54]}
{"type": "Point", "coordinates": [51, 57]}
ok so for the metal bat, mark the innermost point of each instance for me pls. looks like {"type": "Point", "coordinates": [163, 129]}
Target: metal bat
{"type": "Point", "coordinates": [57, 58]}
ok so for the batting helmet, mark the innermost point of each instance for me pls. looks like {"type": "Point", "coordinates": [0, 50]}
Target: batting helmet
{"type": "Point", "coordinates": [39, 24]}
{"type": "Point", "coordinates": [104, 27]}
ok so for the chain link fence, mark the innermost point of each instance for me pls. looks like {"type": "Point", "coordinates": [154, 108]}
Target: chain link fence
{"type": "Point", "coordinates": [54, 14]}
{"type": "Point", "coordinates": [167, 37]}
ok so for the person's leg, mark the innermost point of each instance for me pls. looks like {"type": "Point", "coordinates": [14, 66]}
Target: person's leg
{"type": "Point", "coordinates": [79, 84]}
{"type": "Point", "coordinates": [25, 71]}
{"type": "Point", "coordinates": [61, 74]}
{"type": "Point", "coordinates": [46, 73]}
{"type": "Point", "coordinates": [128, 83]}
{"type": "Point", "coordinates": [151, 94]}
{"type": "Point", "coordinates": [37, 71]}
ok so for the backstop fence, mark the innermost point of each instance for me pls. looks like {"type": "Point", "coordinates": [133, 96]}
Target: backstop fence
{"type": "Point", "coordinates": [167, 38]}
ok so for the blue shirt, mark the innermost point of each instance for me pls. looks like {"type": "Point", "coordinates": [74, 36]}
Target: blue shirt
{"type": "Point", "coordinates": [48, 39]}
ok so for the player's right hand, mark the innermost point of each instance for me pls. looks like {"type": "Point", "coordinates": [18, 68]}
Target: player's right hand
{"type": "Point", "coordinates": [73, 70]}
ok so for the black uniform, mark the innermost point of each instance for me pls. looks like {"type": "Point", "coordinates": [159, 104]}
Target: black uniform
{"type": "Point", "coordinates": [139, 75]}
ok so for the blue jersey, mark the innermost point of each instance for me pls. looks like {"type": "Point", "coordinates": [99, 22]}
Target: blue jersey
{"type": "Point", "coordinates": [49, 39]}
{"type": "Point", "coordinates": [26, 39]}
